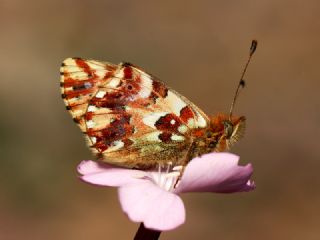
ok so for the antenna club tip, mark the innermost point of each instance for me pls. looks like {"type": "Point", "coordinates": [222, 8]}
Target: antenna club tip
{"type": "Point", "coordinates": [253, 47]}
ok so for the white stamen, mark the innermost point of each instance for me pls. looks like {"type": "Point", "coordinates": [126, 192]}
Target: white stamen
{"type": "Point", "coordinates": [159, 173]}
{"type": "Point", "coordinates": [166, 179]}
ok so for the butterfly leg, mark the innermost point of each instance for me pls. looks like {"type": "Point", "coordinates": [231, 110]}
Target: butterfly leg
{"type": "Point", "coordinates": [183, 165]}
{"type": "Point", "coordinates": [180, 170]}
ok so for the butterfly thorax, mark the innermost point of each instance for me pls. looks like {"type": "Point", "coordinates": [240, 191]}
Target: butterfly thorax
{"type": "Point", "coordinates": [220, 135]}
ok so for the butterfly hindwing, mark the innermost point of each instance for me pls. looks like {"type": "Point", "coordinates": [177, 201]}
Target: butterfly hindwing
{"type": "Point", "coordinates": [79, 82]}
{"type": "Point", "coordinates": [134, 120]}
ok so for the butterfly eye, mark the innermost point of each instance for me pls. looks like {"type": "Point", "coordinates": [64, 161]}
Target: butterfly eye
{"type": "Point", "coordinates": [228, 128]}
{"type": "Point", "coordinates": [129, 87]}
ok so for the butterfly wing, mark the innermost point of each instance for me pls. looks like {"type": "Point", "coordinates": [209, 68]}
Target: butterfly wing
{"type": "Point", "coordinates": [134, 120]}
{"type": "Point", "coordinates": [79, 82]}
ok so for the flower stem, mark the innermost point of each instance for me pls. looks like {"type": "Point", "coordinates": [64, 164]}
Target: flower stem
{"type": "Point", "coordinates": [146, 234]}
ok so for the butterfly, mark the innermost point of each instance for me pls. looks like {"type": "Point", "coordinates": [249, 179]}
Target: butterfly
{"type": "Point", "coordinates": [132, 119]}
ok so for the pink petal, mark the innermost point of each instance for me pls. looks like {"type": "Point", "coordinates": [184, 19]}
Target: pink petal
{"type": "Point", "coordinates": [156, 208]}
{"type": "Point", "coordinates": [89, 166]}
{"type": "Point", "coordinates": [216, 172]}
{"type": "Point", "coordinates": [107, 175]}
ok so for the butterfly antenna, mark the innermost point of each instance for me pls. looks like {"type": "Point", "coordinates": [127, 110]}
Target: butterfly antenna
{"type": "Point", "coordinates": [242, 83]}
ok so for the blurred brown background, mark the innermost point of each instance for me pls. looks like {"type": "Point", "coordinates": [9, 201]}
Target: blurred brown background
{"type": "Point", "coordinates": [199, 49]}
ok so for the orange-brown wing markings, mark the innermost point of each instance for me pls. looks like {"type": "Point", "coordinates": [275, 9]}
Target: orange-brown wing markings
{"type": "Point", "coordinates": [134, 120]}
{"type": "Point", "coordinates": [80, 80]}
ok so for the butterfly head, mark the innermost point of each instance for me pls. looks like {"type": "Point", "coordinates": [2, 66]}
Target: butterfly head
{"type": "Point", "coordinates": [224, 132]}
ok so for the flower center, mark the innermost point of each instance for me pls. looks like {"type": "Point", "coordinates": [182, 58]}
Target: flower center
{"type": "Point", "coordinates": [167, 177]}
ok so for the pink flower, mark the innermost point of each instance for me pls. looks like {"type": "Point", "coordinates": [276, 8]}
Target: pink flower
{"type": "Point", "coordinates": [151, 197]}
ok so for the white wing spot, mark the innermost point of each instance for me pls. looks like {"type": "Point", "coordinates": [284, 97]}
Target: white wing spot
{"type": "Point", "coordinates": [116, 145]}
{"type": "Point", "coordinates": [183, 129]}
{"type": "Point", "coordinates": [76, 112]}
{"type": "Point", "coordinates": [175, 137]}
{"type": "Point", "coordinates": [114, 82]}
{"type": "Point", "coordinates": [175, 103]}
{"type": "Point", "coordinates": [93, 140]}
{"type": "Point", "coordinates": [69, 61]}
{"type": "Point", "coordinates": [92, 108]}
{"type": "Point", "coordinates": [201, 122]}
{"type": "Point", "coordinates": [191, 123]}
{"type": "Point", "coordinates": [152, 118]}
{"type": "Point", "coordinates": [152, 137]}
{"type": "Point", "coordinates": [95, 64]}
{"type": "Point", "coordinates": [90, 124]}
{"type": "Point", "coordinates": [100, 71]}
{"type": "Point", "coordinates": [119, 74]}
{"type": "Point", "coordinates": [100, 94]}
{"type": "Point", "coordinates": [146, 88]}
{"type": "Point", "coordinates": [79, 74]}
{"type": "Point", "coordinates": [68, 89]}
{"type": "Point", "coordinates": [172, 122]}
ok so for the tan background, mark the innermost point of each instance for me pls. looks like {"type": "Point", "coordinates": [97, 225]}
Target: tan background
{"type": "Point", "coordinates": [198, 48]}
